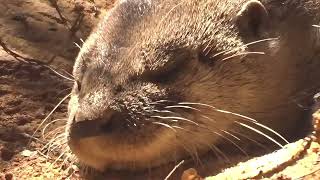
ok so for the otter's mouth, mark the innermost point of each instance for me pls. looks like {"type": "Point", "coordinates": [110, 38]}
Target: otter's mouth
{"type": "Point", "coordinates": [92, 128]}
{"type": "Point", "coordinates": [117, 124]}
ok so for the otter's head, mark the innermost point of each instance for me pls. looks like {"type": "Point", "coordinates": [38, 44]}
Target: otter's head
{"type": "Point", "coordinates": [159, 81]}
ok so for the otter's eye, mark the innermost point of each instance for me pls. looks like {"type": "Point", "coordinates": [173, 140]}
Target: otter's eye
{"type": "Point", "coordinates": [169, 71]}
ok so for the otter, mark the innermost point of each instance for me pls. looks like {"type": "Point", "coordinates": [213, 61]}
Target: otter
{"type": "Point", "coordinates": [159, 81]}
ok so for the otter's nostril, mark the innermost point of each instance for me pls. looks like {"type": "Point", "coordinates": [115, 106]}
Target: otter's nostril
{"type": "Point", "coordinates": [108, 122]}
{"type": "Point", "coordinates": [116, 122]}
{"type": "Point", "coordinates": [118, 89]}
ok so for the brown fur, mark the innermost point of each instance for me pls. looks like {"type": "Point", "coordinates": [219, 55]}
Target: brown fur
{"type": "Point", "coordinates": [151, 50]}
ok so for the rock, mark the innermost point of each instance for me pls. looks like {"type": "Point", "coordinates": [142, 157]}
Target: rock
{"type": "Point", "coordinates": [8, 176]}
{"type": "Point", "coordinates": [28, 153]}
{"type": "Point", "coordinates": [6, 154]}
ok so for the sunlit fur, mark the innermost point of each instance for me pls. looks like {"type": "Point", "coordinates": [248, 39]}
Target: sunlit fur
{"type": "Point", "coordinates": [223, 81]}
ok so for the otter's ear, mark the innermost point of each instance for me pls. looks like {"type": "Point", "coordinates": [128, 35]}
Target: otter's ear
{"type": "Point", "coordinates": [253, 19]}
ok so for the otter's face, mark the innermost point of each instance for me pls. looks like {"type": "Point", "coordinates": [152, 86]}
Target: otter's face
{"type": "Point", "coordinates": [162, 80]}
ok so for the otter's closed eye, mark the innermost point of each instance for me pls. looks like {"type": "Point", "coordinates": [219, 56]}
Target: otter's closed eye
{"type": "Point", "coordinates": [170, 69]}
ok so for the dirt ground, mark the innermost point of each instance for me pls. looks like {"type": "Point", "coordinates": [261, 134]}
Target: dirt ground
{"type": "Point", "coordinates": [29, 92]}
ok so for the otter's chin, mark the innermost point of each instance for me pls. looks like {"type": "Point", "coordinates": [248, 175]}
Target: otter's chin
{"type": "Point", "coordinates": [126, 153]}
{"type": "Point", "coordinates": [85, 154]}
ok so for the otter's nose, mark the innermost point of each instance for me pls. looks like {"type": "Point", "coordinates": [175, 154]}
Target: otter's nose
{"type": "Point", "coordinates": [93, 116]}
{"type": "Point", "coordinates": [86, 126]}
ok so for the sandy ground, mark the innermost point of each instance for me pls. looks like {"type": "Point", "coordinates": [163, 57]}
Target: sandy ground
{"type": "Point", "coordinates": [28, 92]}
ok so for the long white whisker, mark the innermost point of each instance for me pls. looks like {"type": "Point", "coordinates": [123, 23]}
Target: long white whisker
{"type": "Point", "coordinates": [47, 125]}
{"type": "Point", "coordinates": [55, 143]}
{"type": "Point", "coordinates": [175, 118]}
{"type": "Point", "coordinates": [59, 144]}
{"type": "Point", "coordinates": [221, 153]}
{"type": "Point", "coordinates": [70, 75]}
{"type": "Point", "coordinates": [230, 134]}
{"type": "Point", "coordinates": [219, 110]}
{"type": "Point", "coordinates": [271, 130]}
{"type": "Point", "coordinates": [186, 107]}
{"type": "Point", "coordinates": [55, 131]}
{"type": "Point", "coordinates": [34, 138]}
{"type": "Point", "coordinates": [178, 127]}
{"type": "Point", "coordinates": [241, 54]}
{"type": "Point", "coordinates": [46, 118]}
{"type": "Point", "coordinates": [163, 111]}
{"type": "Point", "coordinates": [165, 125]}
{"type": "Point", "coordinates": [241, 134]}
{"type": "Point", "coordinates": [52, 140]}
{"type": "Point", "coordinates": [67, 89]}
{"type": "Point", "coordinates": [215, 149]}
{"type": "Point", "coordinates": [235, 144]}
{"type": "Point", "coordinates": [77, 45]}
{"type": "Point", "coordinates": [207, 46]}
{"type": "Point", "coordinates": [54, 162]}
{"type": "Point", "coordinates": [64, 162]}
{"type": "Point", "coordinates": [174, 169]}
{"type": "Point", "coordinates": [259, 132]}
{"type": "Point", "coordinates": [162, 101]}
{"type": "Point", "coordinates": [239, 115]}
{"type": "Point", "coordinates": [59, 74]}
{"type": "Point", "coordinates": [245, 45]}
{"type": "Point", "coordinates": [206, 117]}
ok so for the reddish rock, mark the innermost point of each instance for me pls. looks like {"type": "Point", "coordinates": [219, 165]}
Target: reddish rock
{"type": "Point", "coordinates": [6, 154]}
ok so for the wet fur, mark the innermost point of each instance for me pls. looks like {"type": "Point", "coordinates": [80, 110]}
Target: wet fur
{"type": "Point", "coordinates": [149, 56]}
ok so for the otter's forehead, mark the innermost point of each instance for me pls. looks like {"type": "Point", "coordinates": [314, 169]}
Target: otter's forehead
{"type": "Point", "coordinates": [140, 36]}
